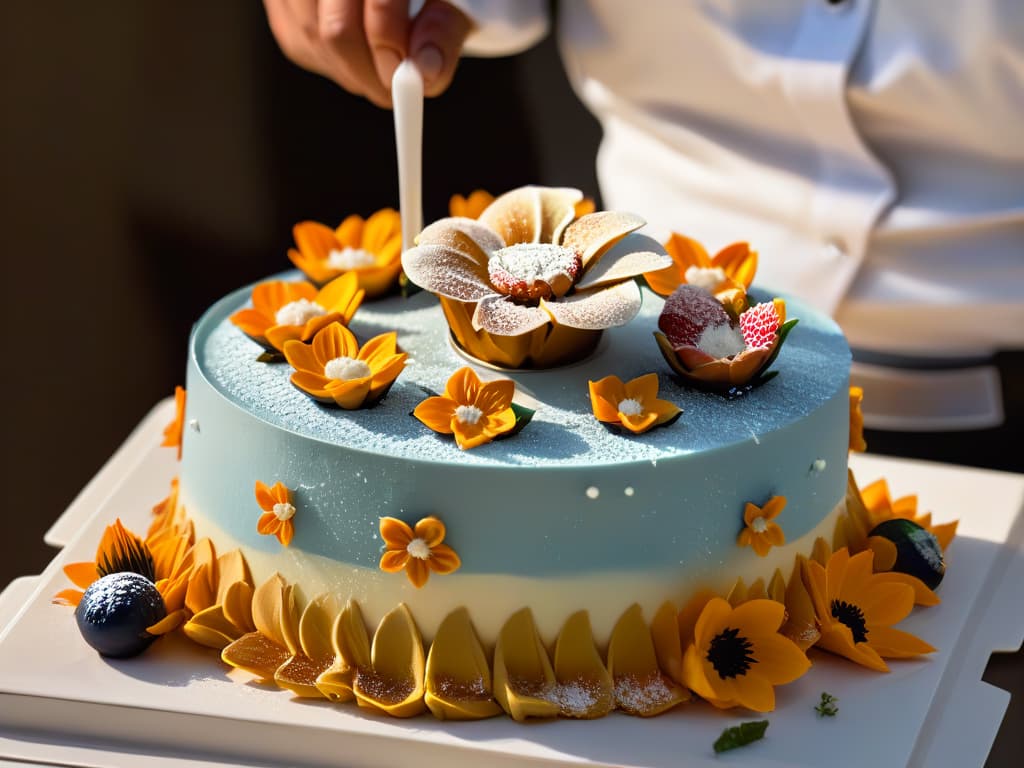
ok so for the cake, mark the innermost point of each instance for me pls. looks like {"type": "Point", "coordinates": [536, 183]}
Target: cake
{"type": "Point", "coordinates": [565, 560]}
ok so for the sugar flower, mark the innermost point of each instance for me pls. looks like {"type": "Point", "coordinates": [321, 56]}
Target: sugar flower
{"type": "Point", "coordinates": [856, 609]}
{"type": "Point", "coordinates": [881, 507]}
{"type": "Point", "coordinates": [760, 532]}
{"type": "Point", "coordinates": [417, 550]}
{"type": "Point", "coordinates": [727, 275]}
{"type": "Point", "coordinates": [633, 405]}
{"type": "Point", "coordinates": [474, 412]}
{"type": "Point", "coordinates": [278, 512]}
{"type": "Point", "coordinates": [174, 432]}
{"type": "Point", "coordinates": [335, 369]}
{"type": "Point", "coordinates": [371, 249]}
{"type": "Point", "coordinates": [477, 201]}
{"type": "Point", "coordinates": [710, 346]}
{"type": "Point", "coordinates": [737, 655]}
{"type": "Point", "coordinates": [529, 267]}
{"type": "Point", "coordinates": [282, 310]}
{"type": "Point", "coordinates": [857, 442]}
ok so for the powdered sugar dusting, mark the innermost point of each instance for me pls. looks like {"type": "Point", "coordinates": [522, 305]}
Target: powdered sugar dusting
{"type": "Point", "coordinates": [641, 694]}
{"type": "Point", "coordinates": [721, 341]}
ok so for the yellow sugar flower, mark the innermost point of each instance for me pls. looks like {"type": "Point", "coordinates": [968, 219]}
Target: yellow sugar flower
{"type": "Point", "coordinates": [760, 532]}
{"type": "Point", "coordinates": [856, 609]}
{"type": "Point", "coordinates": [633, 405]}
{"type": "Point", "coordinates": [335, 369]}
{"type": "Point", "coordinates": [736, 655]}
{"type": "Point", "coordinates": [417, 551]}
{"type": "Point", "coordinates": [473, 411]}
{"type": "Point", "coordinates": [282, 311]}
{"type": "Point", "coordinates": [882, 507]}
{"type": "Point", "coordinates": [174, 432]}
{"type": "Point", "coordinates": [370, 249]}
{"type": "Point", "coordinates": [278, 512]}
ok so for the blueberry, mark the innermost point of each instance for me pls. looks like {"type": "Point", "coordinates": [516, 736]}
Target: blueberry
{"type": "Point", "coordinates": [115, 611]}
{"type": "Point", "coordinates": [917, 550]}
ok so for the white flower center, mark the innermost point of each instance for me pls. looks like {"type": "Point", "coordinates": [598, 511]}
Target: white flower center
{"type": "Point", "coordinates": [350, 258]}
{"type": "Point", "coordinates": [721, 341]}
{"type": "Point", "coordinates": [468, 414]}
{"type": "Point", "coordinates": [283, 511]}
{"type": "Point", "coordinates": [707, 278]}
{"type": "Point", "coordinates": [419, 549]}
{"type": "Point", "coordinates": [759, 525]}
{"type": "Point", "coordinates": [630, 407]}
{"type": "Point", "coordinates": [346, 369]}
{"type": "Point", "coordinates": [299, 312]}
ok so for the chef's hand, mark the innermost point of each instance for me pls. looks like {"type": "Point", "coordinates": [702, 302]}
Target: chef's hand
{"type": "Point", "coordinates": [359, 43]}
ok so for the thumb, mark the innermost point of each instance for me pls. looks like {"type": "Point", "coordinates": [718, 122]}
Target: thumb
{"type": "Point", "coordinates": [435, 42]}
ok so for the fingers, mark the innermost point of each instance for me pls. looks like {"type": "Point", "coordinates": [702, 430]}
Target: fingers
{"type": "Point", "coordinates": [346, 50]}
{"type": "Point", "coordinates": [387, 31]}
{"type": "Point", "coordinates": [435, 42]}
{"type": "Point", "coordinates": [291, 38]}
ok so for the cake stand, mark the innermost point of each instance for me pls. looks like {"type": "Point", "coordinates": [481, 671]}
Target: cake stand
{"type": "Point", "coordinates": [178, 705]}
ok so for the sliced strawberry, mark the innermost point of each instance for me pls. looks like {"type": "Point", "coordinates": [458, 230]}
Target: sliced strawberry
{"type": "Point", "coordinates": [759, 325]}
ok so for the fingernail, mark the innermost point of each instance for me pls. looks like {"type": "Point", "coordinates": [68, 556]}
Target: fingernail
{"type": "Point", "coordinates": [387, 62]}
{"type": "Point", "coordinates": [429, 61]}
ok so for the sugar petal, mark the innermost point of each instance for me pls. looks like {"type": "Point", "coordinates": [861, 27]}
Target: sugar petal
{"type": "Point", "coordinates": [590, 234]}
{"type": "Point", "coordinates": [500, 316]}
{"type": "Point", "coordinates": [628, 258]}
{"type": "Point", "coordinates": [598, 308]}
{"type": "Point", "coordinates": [467, 236]}
{"type": "Point", "coordinates": [444, 270]}
{"type": "Point", "coordinates": [516, 216]}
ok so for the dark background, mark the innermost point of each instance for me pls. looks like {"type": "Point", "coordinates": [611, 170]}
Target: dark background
{"type": "Point", "coordinates": [153, 157]}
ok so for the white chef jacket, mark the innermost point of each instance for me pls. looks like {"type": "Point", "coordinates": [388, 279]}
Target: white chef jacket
{"type": "Point", "coordinates": [872, 152]}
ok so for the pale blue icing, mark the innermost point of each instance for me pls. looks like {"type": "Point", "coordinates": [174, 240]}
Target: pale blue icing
{"type": "Point", "coordinates": [521, 505]}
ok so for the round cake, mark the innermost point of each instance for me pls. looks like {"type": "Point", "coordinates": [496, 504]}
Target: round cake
{"type": "Point", "coordinates": [563, 516]}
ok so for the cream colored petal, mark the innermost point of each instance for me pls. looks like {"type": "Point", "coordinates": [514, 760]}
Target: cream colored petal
{"type": "Point", "coordinates": [516, 216]}
{"type": "Point", "coordinates": [523, 677]}
{"type": "Point", "coordinates": [350, 638]}
{"type": "Point", "coordinates": [557, 210]}
{"type": "Point", "coordinates": [458, 677]}
{"type": "Point", "coordinates": [316, 626]}
{"type": "Point", "coordinates": [397, 659]}
{"type": "Point", "coordinates": [589, 235]}
{"type": "Point", "coordinates": [443, 270]}
{"type": "Point", "coordinates": [267, 607]}
{"type": "Point", "coordinates": [640, 687]}
{"type": "Point", "coordinates": [584, 688]}
{"type": "Point", "coordinates": [300, 674]}
{"type": "Point", "coordinates": [630, 257]}
{"type": "Point", "coordinates": [598, 308]}
{"type": "Point", "coordinates": [467, 236]}
{"type": "Point", "coordinates": [501, 317]}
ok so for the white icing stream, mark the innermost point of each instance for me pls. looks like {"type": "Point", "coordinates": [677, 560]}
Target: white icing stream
{"type": "Point", "coordinates": [407, 96]}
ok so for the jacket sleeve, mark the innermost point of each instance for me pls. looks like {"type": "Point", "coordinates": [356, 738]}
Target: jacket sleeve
{"type": "Point", "coordinates": [504, 27]}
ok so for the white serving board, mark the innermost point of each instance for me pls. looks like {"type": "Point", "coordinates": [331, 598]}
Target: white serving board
{"type": "Point", "coordinates": [178, 705]}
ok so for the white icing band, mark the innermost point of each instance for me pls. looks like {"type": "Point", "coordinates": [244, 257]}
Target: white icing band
{"type": "Point", "coordinates": [298, 312]}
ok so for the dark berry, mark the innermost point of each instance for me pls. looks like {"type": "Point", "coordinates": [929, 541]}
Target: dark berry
{"type": "Point", "coordinates": [115, 611]}
{"type": "Point", "coordinates": [918, 552]}
{"type": "Point", "coordinates": [688, 312]}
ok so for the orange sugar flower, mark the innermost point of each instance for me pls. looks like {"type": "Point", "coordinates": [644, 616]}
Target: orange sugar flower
{"type": "Point", "coordinates": [474, 412]}
{"type": "Point", "coordinates": [737, 655]}
{"type": "Point", "coordinates": [119, 550]}
{"type": "Point", "coordinates": [857, 420]}
{"type": "Point", "coordinates": [633, 405]}
{"type": "Point", "coordinates": [732, 268]}
{"type": "Point", "coordinates": [416, 550]}
{"type": "Point", "coordinates": [856, 609]}
{"type": "Point", "coordinates": [760, 532]}
{"type": "Point", "coordinates": [174, 432]}
{"type": "Point", "coordinates": [282, 311]}
{"type": "Point", "coordinates": [476, 202]}
{"type": "Point", "coordinates": [334, 369]}
{"type": "Point", "coordinates": [278, 512]}
{"type": "Point", "coordinates": [370, 249]}
{"type": "Point", "coordinates": [882, 507]}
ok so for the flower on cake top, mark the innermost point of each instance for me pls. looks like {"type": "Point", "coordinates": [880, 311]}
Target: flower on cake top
{"type": "Point", "coordinates": [528, 263]}
{"type": "Point", "coordinates": [417, 551]}
{"type": "Point", "coordinates": [711, 348]}
{"type": "Point", "coordinates": [633, 405]}
{"type": "Point", "coordinates": [856, 608]}
{"type": "Point", "coordinates": [477, 201]}
{"type": "Point", "coordinates": [736, 655]}
{"type": "Point", "coordinates": [731, 269]}
{"type": "Point", "coordinates": [474, 412]}
{"type": "Point", "coordinates": [282, 311]}
{"type": "Point", "coordinates": [760, 532]}
{"type": "Point", "coordinates": [857, 442]}
{"type": "Point", "coordinates": [174, 431]}
{"type": "Point", "coordinates": [278, 512]}
{"type": "Point", "coordinates": [371, 249]}
{"type": "Point", "coordinates": [335, 369]}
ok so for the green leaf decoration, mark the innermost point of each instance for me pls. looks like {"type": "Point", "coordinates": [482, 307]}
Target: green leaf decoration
{"type": "Point", "coordinates": [827, 706]}
{"type": "Point", "coordinates": [783, 332]}
{"type": "Point", "coordinates": [523, 416]}
{"type": "Point", "coordinates": [741, 735]}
